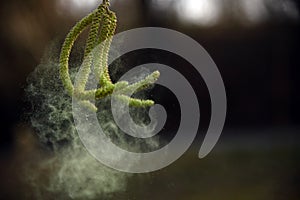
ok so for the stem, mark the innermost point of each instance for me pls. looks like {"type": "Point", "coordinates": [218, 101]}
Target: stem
{"type": "Point", "coordinates": [106, 2]}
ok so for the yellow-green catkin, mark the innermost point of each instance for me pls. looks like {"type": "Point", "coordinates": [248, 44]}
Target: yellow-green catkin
{"type": "Point", "coordinates": [102, 24]}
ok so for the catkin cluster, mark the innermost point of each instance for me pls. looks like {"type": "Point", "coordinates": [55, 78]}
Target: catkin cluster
{"type": "Point", "coordinates": [102, 24]}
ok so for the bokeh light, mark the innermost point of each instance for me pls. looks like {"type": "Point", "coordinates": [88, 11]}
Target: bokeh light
{"type": "Point", "coordinates": [76, 7]}
{"type": "Point", "coordinates": [212, 12]}
{"type": "Point", "coordinates": [203, 12]}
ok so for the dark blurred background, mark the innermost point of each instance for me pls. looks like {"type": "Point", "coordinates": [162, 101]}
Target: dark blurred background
{"type": "Point", "coordinates": [255, 44]}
